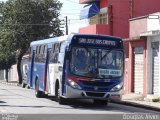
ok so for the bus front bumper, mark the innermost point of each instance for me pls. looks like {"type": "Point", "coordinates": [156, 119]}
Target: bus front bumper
{"type": "Point", "coordinates": [81, 94]}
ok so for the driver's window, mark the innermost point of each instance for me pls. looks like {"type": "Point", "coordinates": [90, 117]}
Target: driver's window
{"type": "Point", "coordinates": [79, 59]}
{"type": "Point", "coordinates": [119, 60]}
{"type": "Point", "coordinates": [106, 59]}
{"type": "Point", "coordinates": [109, 59]}
{"type": "Point", "coordinates": [81, 56]}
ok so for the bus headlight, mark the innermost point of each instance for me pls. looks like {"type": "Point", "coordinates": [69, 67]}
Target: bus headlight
{"type": "Point", "coordinates": [73, 84]}
{"type": "Point", "coordinates": [117, 87]}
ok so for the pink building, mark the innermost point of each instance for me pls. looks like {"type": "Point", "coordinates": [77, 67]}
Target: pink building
{"type": "Point", "coordinates": [123, 18]}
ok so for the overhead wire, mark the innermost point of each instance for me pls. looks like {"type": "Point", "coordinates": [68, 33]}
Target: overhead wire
{"type": "Point", "coordinates": [72, 1]}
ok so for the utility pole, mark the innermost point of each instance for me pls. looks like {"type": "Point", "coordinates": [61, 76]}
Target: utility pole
{"type": "Point", "coordinates": [110, 12]}
{"type": "Point", "coordinates": [131, 8]}
{"type": "Point", "coordinates": [66, 25]}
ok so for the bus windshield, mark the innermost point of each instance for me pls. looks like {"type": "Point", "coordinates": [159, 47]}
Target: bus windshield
{"type": "Point", "coordinates": [96, 63]}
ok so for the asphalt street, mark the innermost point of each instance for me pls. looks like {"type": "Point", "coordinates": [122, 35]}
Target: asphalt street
{"type": "Point", "coordinates": [15, 100]}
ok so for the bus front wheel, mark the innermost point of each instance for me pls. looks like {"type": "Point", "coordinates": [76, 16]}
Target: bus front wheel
{"type": "Point", "coordinates": [57, 94]}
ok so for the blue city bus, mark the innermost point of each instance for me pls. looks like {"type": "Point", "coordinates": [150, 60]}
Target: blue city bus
{"type": "Point", "coordinates": [87, 66]}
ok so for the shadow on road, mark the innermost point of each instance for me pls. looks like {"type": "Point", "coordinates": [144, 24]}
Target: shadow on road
{"type": "Point", "coordinates": [82, 104]}
{"type": "Point", "coordinates": [2, 102]}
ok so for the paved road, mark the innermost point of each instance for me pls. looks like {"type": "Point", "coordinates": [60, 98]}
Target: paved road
{"type": "Point", "coordinates": [17, 100]}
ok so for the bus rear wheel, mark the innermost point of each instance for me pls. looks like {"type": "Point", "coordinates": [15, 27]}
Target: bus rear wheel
{"type": "Point", "coordinates": [23, 85]}
{"type": "Point", "coordinates": [38, 93]}
{"type": "Point", "coordinates": [100, 102]}
{"type": "Point", "coordinates": [57, 94]}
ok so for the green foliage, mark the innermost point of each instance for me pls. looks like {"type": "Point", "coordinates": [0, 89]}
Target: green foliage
{"type": "Point", "coordinates": [28, 20]}
{"type": "Point", "coordinates": [23, 21]}
{"type": "Point", "coordinates": [7, 60]}
{"type": "Point", "coordinates": [156, 100]}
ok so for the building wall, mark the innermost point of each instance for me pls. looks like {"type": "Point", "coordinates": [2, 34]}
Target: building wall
{"type": "Point", "coordinates": [126, 67]}
{"type": "Point", "coordinates": [137, 26]}
{"type": "Point", "coordinates": [120, 11]}
{"type": "Point", "coordinates": [118, 25]}
{"type": "Point", "coordinates": [145, 7]}
{"type": "Point", "coordinates": [118, 18]}
{"type": "Point", "coordinates": [133, 44]}
{"type": "Point", "coordinates": [124, 10]}
{"type": "Point", "coordinates": [153, 22]}
{"type": "Point", "coordinates": [12, 74]}
{"type": "Point", "coordinates": [95, 29]}
{"type": "Point", "coordinates": [2, 74]}
{"type": "Point", "coordinates": [151, 39]}
{"type": "Point", "coordinates": [103, 3]}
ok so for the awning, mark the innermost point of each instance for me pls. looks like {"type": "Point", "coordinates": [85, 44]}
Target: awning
{"type": "Point", "coordinates": [90, 10]}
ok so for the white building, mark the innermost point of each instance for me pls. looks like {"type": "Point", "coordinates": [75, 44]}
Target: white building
{"type": "Point", "coordinates": [153, 55]}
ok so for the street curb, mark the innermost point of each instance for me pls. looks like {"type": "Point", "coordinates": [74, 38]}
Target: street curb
{"type": "Point", "coordinates": [9, 83]}
{"type": "Point", "coordinates": [129, 103]}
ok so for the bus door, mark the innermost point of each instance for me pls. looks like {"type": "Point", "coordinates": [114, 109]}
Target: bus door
{"type": "Point", "coordinates": [64, 70]}
{"type": "Point", "coordinates": [32, 69]}
{"type": "Point", "coordinates": [62, 65]}
{"type": "Point", "coordinates": [50, 70]}
{"type": "Point", "coordinates": [46, 77]}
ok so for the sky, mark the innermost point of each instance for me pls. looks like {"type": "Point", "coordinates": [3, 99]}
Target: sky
{"type": "Point", "coordinates": [71, 9]}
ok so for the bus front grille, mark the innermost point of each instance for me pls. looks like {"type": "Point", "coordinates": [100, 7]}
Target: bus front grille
{"type": "Point", "coordinates": [93, 94]}
{"type": "Point", "coordinates": [96, 83]}
{"type": "Point", "coordinates": [98, 89]}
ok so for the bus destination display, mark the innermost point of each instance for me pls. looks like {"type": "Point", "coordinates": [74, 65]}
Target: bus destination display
{"type": "Point", "coordinates": [97, 42]}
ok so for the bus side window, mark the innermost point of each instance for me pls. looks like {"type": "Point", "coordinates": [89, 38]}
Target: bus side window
{"type": "Point", "coordinates": [53, 48]}
{"type": "Point", "coordinates": [57, 45]}
{"type": "Point", "coordinates": [41, 54]}
{"type": "Point", "coordinates": [55, 57]}
{"type": "Point", "coordinates": [51, 53]}
{"type": "Point", "coordinates": [37, 54]}
{"type": "Point", "coordinates": [62, 47]}
{"type": "Point", "coordinates": [45, 49]}
{"type": "Point", "coordinates": [37, 49]}
{"type": "Point", "coordinates": [45, 52]}
{"type": "Point", "coordinates": [30, 53]}
{"type": "Point", "coordinates": [61, 53]}
{"type": "Point", "coordinates": [56, 52]}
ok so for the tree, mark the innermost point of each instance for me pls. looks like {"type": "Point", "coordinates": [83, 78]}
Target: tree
{"type": "Point", "coordinates": [7, 57]}
{"type": "Point", "coordinates": [23, 21]}
{"type": "Point", "coordinates": [6, 61]}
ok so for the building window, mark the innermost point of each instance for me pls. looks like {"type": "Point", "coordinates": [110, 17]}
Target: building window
{"type": "Point", "coordinates": [100, 18]}
{"type": "Point", "coordinates": [94, 20]}
{"type": "Point", "coordinates": [103, 18]}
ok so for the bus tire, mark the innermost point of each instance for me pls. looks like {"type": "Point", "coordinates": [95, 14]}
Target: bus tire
{"type": "Point", "coordinates": [23, 85]}
{"type": "Point", "coordinates": [38, 93]}
{"type": "Point", "coordinates": [100, 102]}
{"type": "Point", "coordinates": [27, 86]}
{"type": "Point", "coordinates": [59, 99]}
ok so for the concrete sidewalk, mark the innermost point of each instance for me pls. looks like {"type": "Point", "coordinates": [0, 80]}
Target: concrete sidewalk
{"type": "Point", "coordinates": [137, 100]}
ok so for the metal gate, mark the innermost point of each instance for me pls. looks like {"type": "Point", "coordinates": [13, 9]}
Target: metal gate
{"type": "Point", "coordinates": [155, 65]}
{"type": "Point", "coordinates": [138, 70]}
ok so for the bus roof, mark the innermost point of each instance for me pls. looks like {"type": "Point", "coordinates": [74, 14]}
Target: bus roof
{"type": "Point", "coordinates": [100, 35]}
{"type": "Point", "coordinates": [49, 40]}
{"type": "Point", "coordinates": [63, 38]}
